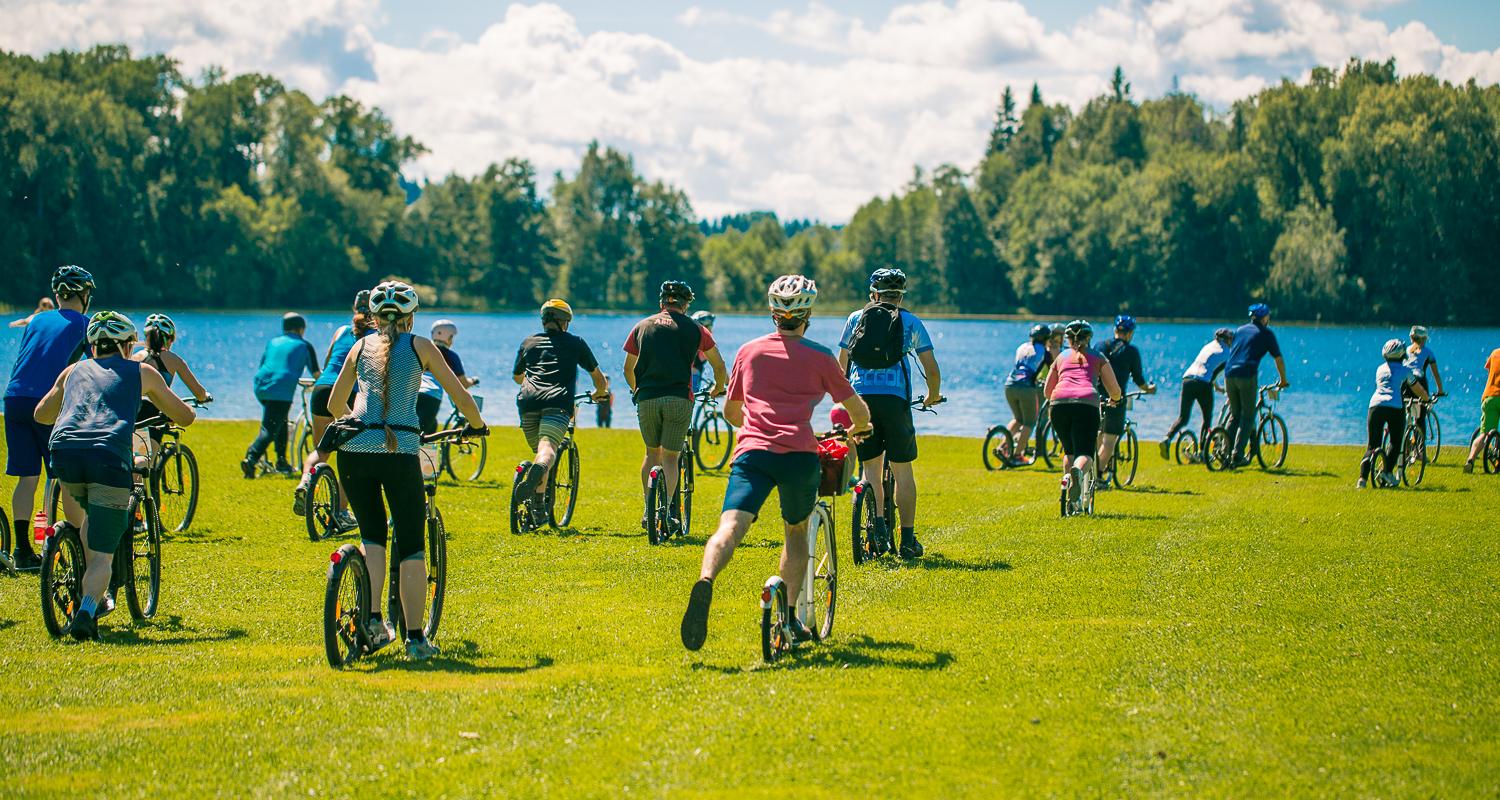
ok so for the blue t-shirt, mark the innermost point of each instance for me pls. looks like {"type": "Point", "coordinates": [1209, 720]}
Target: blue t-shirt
{"type": "Point", "coordinates": [894, 380]}
{"type": "Point", "coordinates": [99, 406]}
{"type": "Point", "coordinates": [1419, 362]}
{"type": "Point", "coordinates": [338, 353]}
{"type": "Point", "coordinates": [52, 341]}
{"type": "Point", "coordinates": [1251, 343]}
{"type": "Point", "coordinates": [281, 366]}
{"type": "Point", "coordinates": [429, 386]}
{"type": "Point", "coordinates": [1390, 377]}
{"type": "Point", "coordinates": [1030, 358]}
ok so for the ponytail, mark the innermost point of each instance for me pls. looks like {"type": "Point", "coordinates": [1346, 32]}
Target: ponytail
{"type": "Point", "coordinates": [156, 341]}
{"type": "Point", "coordinates": [388, 332]}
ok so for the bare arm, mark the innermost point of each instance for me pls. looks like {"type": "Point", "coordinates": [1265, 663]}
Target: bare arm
{"type": "Point", "coordinates": [844, 359]}
{"type": "Point", "coordinates": [859, 415]}
{"type": "Point", "coordinates": [1051, 382]}
{"type": "Point", "coordinates": [721, 373]}
{"type": "Point", "coordinates": [46, 410]}
{"type": "Point", "coordinates": [338, 399]}
{"type": "Point", "coordinates": [154, 388]}
{"type": "Point", "coordinates": [438, 366]}
{"type": "Point", "coordinates": [734, 411]}
{"type": "Point", "coordinates": [1281, 371]}
{"type": "Point", "coordinates": [601, 384]}
{"type": "Point", "coordinates": [630, 360]}
{"type": "Point", "coordinates": [929, 364]}
{"type": "Point", "coordinates": [1438, 376]}
{"type": "Point", "coordinates": [180, 366]}
{"type": "Point", "coordinates": [519, 377]}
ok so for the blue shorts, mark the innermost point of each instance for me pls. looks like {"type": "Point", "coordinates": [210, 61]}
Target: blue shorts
{"type": "Point", "coordinates": [755, 473]}
{"type": "Point", "coordinates": [25, 438]}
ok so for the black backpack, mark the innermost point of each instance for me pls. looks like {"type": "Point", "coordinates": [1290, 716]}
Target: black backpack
{"type": "Point", "coordinates": [879, 338]}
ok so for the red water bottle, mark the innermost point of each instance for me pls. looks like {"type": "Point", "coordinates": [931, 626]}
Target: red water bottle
{"type": "Point", "coordinates": [39, 529]}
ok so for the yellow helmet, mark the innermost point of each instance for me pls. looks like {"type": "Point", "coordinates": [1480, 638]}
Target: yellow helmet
{"type": "Point", "coordinates": [556, 309]}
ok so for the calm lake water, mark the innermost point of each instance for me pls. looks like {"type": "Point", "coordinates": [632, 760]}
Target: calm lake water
{"type": "Point", "coordinates": [1331, 368]}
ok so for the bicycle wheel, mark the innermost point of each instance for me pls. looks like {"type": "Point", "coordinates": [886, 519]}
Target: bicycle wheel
{"type": "Point", "coordinates": [143, 570]}
{"type": "Point", "coordinates": [713, 442]}
{"type": "Point", "coordinates": [999, 440]}
{"type": "Point", "coordinates": [520, 517]}
{"type": "Point", "coordinates": [1377, 464]}
{"type": "Point", "coordinates": [302, 437]}
{"type": "Point", "coordinates": [1217, 450]}
{"type": "Point", "coordinates": [825, 577]}
{"type": "Point", "coordinates": [174, 485]}
{"type": "Point", "coordinates": [5, 542]}
{"type": "Point", "coordinates": [1185, 448]}
{"type": "Point", "coordinates": [773, 620]}
{"type": "Point", "coordinates": [683, 498]}
{"type": "Point", "coordinates": [464, 460]}
{"type": "Point", "coordinates": [1413, 458]}
{"type": "Point", "coordinates": [437, 573]}
{"type": "Point", "coordinates": [1273, 440]}
{"type": "Point", "coordinates": [859, 515]}
{"type": "Point", "coordinates": [322, 507]}
{"type": "Point", "coordinates": [62, 579]}
{"type": "Point", "coordinates": [1053, 451]}
{"type": "Point", "coordinates": [656, 508]}
{"type": "Point", "coordinates": [1434, 436]}
{"type": "Point", "coordinates": [564, 491]}
{"type": "Point", "coordinates": [1128, 452]}
{"type": "Point", "coordinates": [1492, 453]}
{"type": "Point", "coordinates": [346, 606]}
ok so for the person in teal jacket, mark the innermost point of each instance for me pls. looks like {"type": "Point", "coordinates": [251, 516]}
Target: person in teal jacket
{"type": "Point", "coordinates": [281, 366]}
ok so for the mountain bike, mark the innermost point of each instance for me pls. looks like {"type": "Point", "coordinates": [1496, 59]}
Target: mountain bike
{"type": "Point", "coordinates": [463, 459]}
{"type": "Point", "coordinates": [663, 519]}
{"type": "Point", "coordinates": [1433, 433]}
{"type": "Point", "coordinates": [556, 503]}
{"type": "Point", "coordinates": [818, 600]}
{"type": "Point", "coordinates": [137, 563]}
{"type": "Point", "coordinates": [173, 474]}
{"type": "Point", "coordinates": [866, 545]}
{"type": "Point", "coordinates": [711, 435]}
{"type": "Point", "coordinates": [1490, 453]}
{"type": "Point", "coordinates": [1188, 446]}
{"type": "Point", "coordinates": [346, 598]}
{"type": "Point", "coordinates": [1269, 444]}
{"type": "Point", "coordinates": [1411, 465]}
{"type": "Point", "coordinates": [1120, 471]}
{"type": "Point", "coordinates": [1085, 503]}
{"type": "Point", "coordinates": [325, 512]}
{"type": "Point", "coordinates": [302, 430]}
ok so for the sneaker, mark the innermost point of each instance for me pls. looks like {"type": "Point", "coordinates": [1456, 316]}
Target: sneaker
{"type": "Point", "coordinates": [299, 499]}
{"type": "Point", "coordinates": [1166, 451]}
{"type": "Point", "coordinates": [1469, 467]}
{"type": "Point", "coordinates": [247, 468]}
{"type": "Point", "coordinates": [1360, 484]}
{"type": "Point", "coordinates": [285, 470]}
{"type": "Point", "coordinates": [799, 632]}
{"type": "Point", "coordinates": [420, 649]}
{"type": "Point", "coordinates": [25, 560]}
{"type": "Point", "coordinates": [1075, 483]}
{"type": "Point", "coordinates": [540, 517]}
{"type": "Point", "coordinates": [1388, 480]}
{"type": "Point", "coordinates": [911, 548]}
{"type": "Point", "coordinates": [695, 619]}
{"type": "Point", "coordinates": [1242, 461]}
{"type": "Point", "coordinates": [880, 536]}
{"type": "Point", "coordinates": [107, 607]}
{"type": "Point", "coordinates": [529, 479]}
{"type": "Point", "coordinates": [85, 627]}
{"type": "Point", "coordinates": [345, 521]}
{"type": "Point", "coordinates": [379, 633]}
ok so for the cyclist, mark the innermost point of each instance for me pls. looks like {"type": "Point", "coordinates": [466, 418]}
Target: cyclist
{"type": "Point", "coordinates": [1023, 393]}
{"type": "Point", "coordinates": [1074, 400]}
{"type": "Point", "coordinates": [1125, 361]}
{"type": "Point", "coordinates": [1419, 357]}
{"type": "Point", "coordinates": [378, 463]}
{"type": "Point", "coordinates": [281, 366]}
{"type": "Point", "coordinates": [777, 381]}
{"type": "Point", "coordinates": [43, 305]}
{"type": "Point", "coordinates": [92, 410]}
{"type": "Point", "coordinates": [706, 319]}
{"type": "Point", "coordinates": [161, 334]}
{"type": "Point", "coordinates": [873, 352]}
{"type": "Point", "coordinates": [659, 355]}
{"type": "Point", "coordinates": [360, 325]}
{"type": "Point", "coordinates": [546, 368]}
{"type": "Point", "coordinates": [1198, 386]}
{"type": "Point", "coordinates": [430, 398]}
{"type": "Point", "coordinates": [1252, 342]}
{"type": "Point", "coordinates": [1489, 406]}
{"type": "Point", "coordinates": [1386, 414]}
{"type": "Point", "coordinates": [52, 341]}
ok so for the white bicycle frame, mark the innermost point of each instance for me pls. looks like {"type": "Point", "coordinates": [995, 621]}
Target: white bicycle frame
{"type": "Point", "coordinates": [803, 604]}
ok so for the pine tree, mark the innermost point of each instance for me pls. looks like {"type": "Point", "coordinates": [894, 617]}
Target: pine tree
{"type": "Point", "coordinates": [1006, 124]}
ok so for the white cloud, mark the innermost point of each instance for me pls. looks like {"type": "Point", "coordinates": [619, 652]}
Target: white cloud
{"type": "Point", "coordinates": [809, 136]}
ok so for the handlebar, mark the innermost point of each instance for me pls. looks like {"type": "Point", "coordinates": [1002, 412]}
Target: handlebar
{"type": "Point", "coordinates": [463, 432]}
{"type": "Point", "coordinates": [588, 399]}
{"type": "Point", "coordinates": [918, 405]}
{"type": "Point", "coordinates": [839, 432]}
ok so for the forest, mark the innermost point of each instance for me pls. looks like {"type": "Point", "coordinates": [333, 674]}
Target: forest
{"type": "Point", "coordinates": [1357, 195]}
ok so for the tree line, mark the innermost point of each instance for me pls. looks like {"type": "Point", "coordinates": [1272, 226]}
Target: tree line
{"type": "Point", "coordinates": [1358, 195]}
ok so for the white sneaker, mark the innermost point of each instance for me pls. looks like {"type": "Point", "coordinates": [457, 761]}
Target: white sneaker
{"type": "Point", "coordinates": [379, 633]}
{"type": "Point", "coordinates": [1389, 480]}
{"type": "Point", "coordinates": [1360, 484]}
{"type": "Point", "coordinates": [1075, 483]}
{"type": "Point", "coordinates": [420, 649]}
{"type": "Point", "coordinates": [299, 499]}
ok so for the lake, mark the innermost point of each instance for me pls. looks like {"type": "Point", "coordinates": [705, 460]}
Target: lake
{"type": "Point", "coordinates": [1331, 368]}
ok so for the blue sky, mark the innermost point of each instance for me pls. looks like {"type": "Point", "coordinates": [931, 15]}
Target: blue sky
{"type": "Point", "coordinates": [804, 107]}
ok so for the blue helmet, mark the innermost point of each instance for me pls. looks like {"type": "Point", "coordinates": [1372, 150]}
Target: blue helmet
{"type": "Point", "coordinates": [1260, 310]}
{"type": "Point", "coordinates": [1125, 322]}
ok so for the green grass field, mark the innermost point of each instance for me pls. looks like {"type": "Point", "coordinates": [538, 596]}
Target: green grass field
{"type": "Point", "coordinates": [1242, 635]}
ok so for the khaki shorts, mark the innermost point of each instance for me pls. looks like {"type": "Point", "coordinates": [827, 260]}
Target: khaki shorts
{"type": "Point", "coordinates": [550, 424]}
{"type": "Point", "coordinates": [665, 421]}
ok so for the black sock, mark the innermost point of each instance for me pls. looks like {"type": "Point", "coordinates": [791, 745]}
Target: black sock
{"type": "Point", "coordinates": [415, 635]}
{"type": "Point", "coordinates": [375, 617]}
{"type": "Point", "coordinates": [23, 536]}
{"type": "Point", "coordinates": [907, 533]}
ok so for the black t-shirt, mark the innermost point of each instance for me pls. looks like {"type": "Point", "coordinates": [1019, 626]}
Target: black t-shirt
{"type": "Point", "coordinates": [665, 345]}
{"type": "Point", "coordinates": [549, 362]}
{"type": "Point", "coordinates": [1125, 360]}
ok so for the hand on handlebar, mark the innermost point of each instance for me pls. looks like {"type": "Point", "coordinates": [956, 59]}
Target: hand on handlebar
{"type": "Point", "coordinates": [932, 400]}
{"type": "Point", "coordinates": [600, 397]}
{"type": "Point", "coordinates": [860, 433]}
{"type": "Point", "coordinates": [1150, 388]}
{"type": "Point", "coordinates": [1283, 383]}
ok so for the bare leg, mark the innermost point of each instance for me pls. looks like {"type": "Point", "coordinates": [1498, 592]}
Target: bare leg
{"type": "Point", "coordinates": [906, 493]}
{"type": "Point", "coordinates": [720, 548]}
{"type": "Point", "coordinates": [794, 560]}
{"type": "Point", "coordinates": [23, 498]}
{"type": "Point", "coordinates": [873, 470]}
{"type": "Point", "coordinates": [546, 456]}
{"type": "Point", "coordinates": [413, 576]}
{"type": "Point", "coordinates": [97, 570]}
{"type": "Point", "coordinates": [1107, 447]}
{"type": "Point", "coordinates": [669, 468]}
{"type": "Point", "coordinates": [375, 563]}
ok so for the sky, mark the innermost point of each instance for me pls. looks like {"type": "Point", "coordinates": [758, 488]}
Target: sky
{"type": "Point", "coordinates": [805, 108]}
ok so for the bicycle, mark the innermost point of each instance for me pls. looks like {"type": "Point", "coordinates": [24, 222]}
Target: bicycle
{"type": "Point", "coordinates": [346, 598]}
{"type": "Point", "coordinates": [137, 562]}
{"type": "Point", "coordinates": [174, 475]}
{"type": "Point", "coordinates": [1127, 451]}
{"type": "Point", "coordinates": [528, 514]}
{"type": "Point", "coordinates": [660, 515]}
{"type": "Point", "coordinates": [301, 432]}
{"type": "Point", "coordinates": [866, 545]}
{"type": "Point", "coordinates": [712, 435]}
{"type": "Point", "coordinates": [1271, 435]}
{"type": "Point", "coordinates": [818, 600]}
{"type": "Point", "coordinates": [1000, 440]}
{"type": "Point", "coordinates": [463, 460]}
{"type": "Point", "coordinates": [1490, 453]}
{"type": "Point", "coordinates": [1085, 503]}
{"type": "Point", "coordinates": [1433, 438]}
{"type": "Point", "coordinates": [1411, 466]}
{"type": "Point", "coordinates": [1188, 446]}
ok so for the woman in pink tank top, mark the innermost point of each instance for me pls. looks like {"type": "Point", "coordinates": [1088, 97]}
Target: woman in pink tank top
{"type": "Point", "coordinates": [1075, 401]}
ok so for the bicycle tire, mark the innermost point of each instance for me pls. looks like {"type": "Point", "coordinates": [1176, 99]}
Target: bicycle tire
{"type": "Point", "coordinates": [1043, 444]}
{"type": "Point", "coordinates": [465, 460]}
{"type": "Point", "coordinates": [1130, 451]}
{"type": "Point", "coordinates": [302, 435]}
{"type": "Point", "coordinates": [1053, 449]}
{"type": "Point", "coordinates": [569, 465]}
{"type": "Point", "coordinates": [1185, 448]}
{"type": "Point", "coordinates": [1272, 432]}
{"type": "Point", "coordinates": [52, 495]}
{"type": "Point", "coordinates": [683, 500]}
{"type": "Point", "coordinates": [320, 510]}
{"type": "Point", "coordinates": [859, 515]}
{"type": "Point", "coordinates": [773, 621]}
{"type": "Point", "coordinates": [993, 461]}
{"type": "Point", "coordinates": [713, 442]}
{"type": "Point", "coordinates": [1218, 450]}
{"type": "Point", "coordinates": [1413, 458]}
{"type": "Point", "coordinates": [437, 574]}
{"type": "Point", "coordinates": [825, 554]}
{"type": "Point", "coordinates": [1434, 436]}
{"type": "Point", "coordinates": [61, 580]}
{"type": "Point", "coordinates": [1491, 453]}
{"type": "Point", "coordinates": [143, 569]}
{"type": "Point", "coordinates": [5, 529]}
{"type": "Point", "coordinates": [346, 606]}
{"type": "Point", "coordinates": [174, 485]}
{"type": "Point", "coordinates": [654, 508]}
{"type": "Point", "coordinates": [519, 522]}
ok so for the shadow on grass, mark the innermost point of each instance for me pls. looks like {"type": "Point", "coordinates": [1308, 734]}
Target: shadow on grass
{"type": "Point", "coordinates": [1147, 489]}
{"type": "Point", "coordinates": [1442, 489]}
{"type": "Point", "coordinates": [7, 624]}
{"type": "Point", "coordinates": [938, 561]}
{"type": "Point", "coordinates": [858, 651]}
{"type": "Point", "coordinates": [132, 635]}
{"type": "Point", "coordinates": [200, 536]}
{"type": "Point", "coordinates": [1141, 517]}
{"type": "Point", "coordinates": [1296, 473]}
{"type": "Point", "coordinates": [458, 657]}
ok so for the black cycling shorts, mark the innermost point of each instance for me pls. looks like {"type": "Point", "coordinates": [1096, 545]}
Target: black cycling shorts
{"type": "Point", "coordinates": [1113, 423]}
{"type": "Point", "coordinates": [894, 436]}
{"type": "Point", "coordinates": [1077, 426]}
{"type": "Point", "coordinates": [427, 412]}
{"type": "Point", "coordinates": [319, 401]}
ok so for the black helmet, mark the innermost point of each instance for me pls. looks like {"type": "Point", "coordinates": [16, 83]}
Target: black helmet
{"type": "Point", "coordinates": [887, 280]}
{"type": "Point", "coordinates": [362, 301]}
{"type": "Point", "coordinates": [71, 279]}
{"type": "Point", "coordinates": [676, 292]}
{"type": "Point", "coordinates": [1223, 333]}
{"type": "Point", "coordinates": [1040, 333]}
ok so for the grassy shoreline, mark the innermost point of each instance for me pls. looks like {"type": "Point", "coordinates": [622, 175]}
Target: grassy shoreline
{"type": "Point", "coordinates": [1242, 635]}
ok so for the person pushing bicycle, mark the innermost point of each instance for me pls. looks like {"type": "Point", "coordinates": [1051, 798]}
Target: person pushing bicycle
{"type": "Point", "coordinates": [1251, 342]}
{"type": "Point", "coordinates": [1125, 362]}
{"type": "Point", "coordinates": [546, 369]}
{"type": "Point", "coordinates": [776, 382]}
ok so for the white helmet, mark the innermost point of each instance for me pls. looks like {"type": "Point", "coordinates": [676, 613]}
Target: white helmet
{"type": "Point", "coordinates": [163, 323]}
{"type": "Point", "coordinates": [793, 295]}
{"type": "Point", "coordinates": [110, 326]}
{"type": "Point", "coordinates": [392, 299]}
{"type": "Point", "coordinates": [1394, 349]}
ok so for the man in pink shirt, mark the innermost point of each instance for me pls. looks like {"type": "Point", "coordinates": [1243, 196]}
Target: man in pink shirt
{"type": "Point", "coordinates": [776, 382]}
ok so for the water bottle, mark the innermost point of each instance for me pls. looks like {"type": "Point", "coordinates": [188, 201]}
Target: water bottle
{"type": "Point", "coordinates": [39, 530]}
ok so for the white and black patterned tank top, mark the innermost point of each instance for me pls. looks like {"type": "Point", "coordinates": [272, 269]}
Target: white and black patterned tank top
{"type": "Point", "coordinates": [401, 411]}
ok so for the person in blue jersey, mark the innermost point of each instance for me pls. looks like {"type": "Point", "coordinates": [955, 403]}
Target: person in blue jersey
{"type": "Point", "coordinates": [379, 465]}
{"type": "Point", "coordinates": [875, 350]}
{"type": "Point", "coordinates": [1198, 387]}
{"type": "Point", "coordinates": [1252, 342]}
{"type": "Point", "coordinates": [1386, 416]}
{"type": "Point", "coordinates": [53, 340]}
{"type": "Point", "coordinates": [91, 408]}
{"type": "Point", "coordinates": [1023, 391]}
{"type": "Point", "coordinates": [361, 324]}
{"type": "Point", "coordinates": [1125, 360]}
{"type": "Point", "coordinates": [430, 397]}
{"type": "Point", "coordinates": [281, 366]}
{"type": "Point", "coordinates": [1420, 359]}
